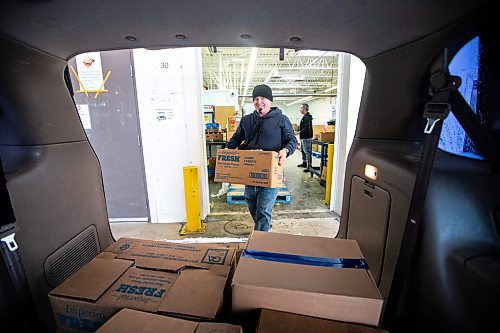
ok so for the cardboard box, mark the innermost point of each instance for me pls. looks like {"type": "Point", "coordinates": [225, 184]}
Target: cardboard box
{"type": "Point", "coordinates": [323, 173]}
{"type": "Point", "coordinates": [318, 128]}
{"type": "Point", "coordinates": [330, 128]}
{"type": "Point", "coordinates": [232, 124]}
{"type": "Point", "coordinates": [295, 127]}
{"type": "Point", "coordinates": [182, 280]}
{"type": "Point", "coordinates": [306, 285]}
{"type": "Point", "coordinates": [326, 136]}
{"type": "Point", "coordinates": [230, 135]}
{"type": "Point", "coordinates": [315, 147]}
{"type": "Point", "coordinates": [211, 163]}
{"type": "Point", "coordinates": [222, 113]}
{"type": "Point", "coordinates": [248, 167]}
{"type": "Point", "coordinates": [132, 321]}
{"type": "Point", "coordinates": [214, 136]}
{"type": "Point", "coordinates": [272, 321]}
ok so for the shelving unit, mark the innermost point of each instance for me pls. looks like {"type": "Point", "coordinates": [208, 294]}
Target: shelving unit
{"type": "Point", "coordinates": [216, 144]}
{"type": "Point", "coordinates": [322, 155]}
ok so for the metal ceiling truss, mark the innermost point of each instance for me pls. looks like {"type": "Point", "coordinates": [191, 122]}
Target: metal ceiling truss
{"type": "Point", "coordinates": [301, 73]}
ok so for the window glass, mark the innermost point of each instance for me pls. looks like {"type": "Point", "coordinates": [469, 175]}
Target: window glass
{"type": "Point", "coordinates": [466, 65]}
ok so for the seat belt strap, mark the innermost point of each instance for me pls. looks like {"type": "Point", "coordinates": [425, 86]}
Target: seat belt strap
{"type": "Point", "coordinates": [436, 110]}
{"type": "Point", "coordinates": [13, 280]}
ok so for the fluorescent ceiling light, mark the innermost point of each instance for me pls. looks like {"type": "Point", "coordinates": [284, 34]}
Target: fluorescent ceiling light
{"type": "Point", "coordinates": [315, 53]}
{"type": "Point", "coordinates": [251, 66]}
{"type": "Point", "coordinates": [293, 77]}
{"type": "Point", "coordinates": [330, 89]}
{"type": "Point", "coordinates": [300, 100]}
{"type": "Point", "coordinates": [310, 97]}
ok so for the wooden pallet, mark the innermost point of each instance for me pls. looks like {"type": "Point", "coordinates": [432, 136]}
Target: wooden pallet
{"type": "Point", "coordinates": [236, 195]}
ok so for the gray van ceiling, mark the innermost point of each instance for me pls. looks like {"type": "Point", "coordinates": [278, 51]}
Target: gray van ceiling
{"type": "Point", "coordinates": [362, 27]}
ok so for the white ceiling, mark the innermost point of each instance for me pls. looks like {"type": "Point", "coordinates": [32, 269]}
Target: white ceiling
{"type": "Point", "coordinates": [302, 75]}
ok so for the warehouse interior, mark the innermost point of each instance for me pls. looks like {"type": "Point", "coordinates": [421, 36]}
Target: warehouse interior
{"type": "Point", "coordinates": [139, 114]}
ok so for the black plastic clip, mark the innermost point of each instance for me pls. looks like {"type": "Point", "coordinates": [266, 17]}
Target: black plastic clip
{"type": "Point", "coordinates": [439, 106]}
{"type": "Point", "coordinates": [434, 112]}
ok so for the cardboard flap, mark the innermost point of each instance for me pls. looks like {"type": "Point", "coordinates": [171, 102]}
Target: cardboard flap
{"type": "Point", "coordinates": [124, 244]}
{"type": "Point", "coordinates": [171, 256]}
{"type": "Point", "coordinates": [352, 282]}
{"type": "Point", "coordinates": [218, 328]}
{"type": "Point", "coordinates": [272, 321]}
{"type": "Point", "coordinates": [311, 279]}
{"type": "Point", "coordinates": [140, 289]}
{"type": "Point", "coordinates": [106, 255]}
{"type": "Point", "coordinates": [93, 279]}
{"type": "Point", "coordinates": [197, 293]}
{"type": "Point", "coordinates": [132, 321]}
{"type": "Point", "coordinates": [304, 245]}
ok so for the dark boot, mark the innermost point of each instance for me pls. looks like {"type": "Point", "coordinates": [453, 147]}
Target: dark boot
{"type": "Point", "coordinates": [302, 165]}
{"type": "Point", "coordinates": [306, 168]}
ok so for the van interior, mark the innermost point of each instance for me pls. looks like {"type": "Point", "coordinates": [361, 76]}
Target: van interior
{"type": "Point", "coordinates": [428, 220]}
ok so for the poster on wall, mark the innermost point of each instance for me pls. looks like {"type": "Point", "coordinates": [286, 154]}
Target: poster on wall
{"type": "Point", "coordinates": [89, 69]}
{"type": "Point", "coordinates": [162, 88]}
{"type": "Point", "coordinates": [208, 113]}
{"type": "Point", "coordinates": [208, 117]}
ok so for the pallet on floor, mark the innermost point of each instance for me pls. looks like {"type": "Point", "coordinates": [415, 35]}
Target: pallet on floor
{"type": "Point", "coordinates": [236, 194]}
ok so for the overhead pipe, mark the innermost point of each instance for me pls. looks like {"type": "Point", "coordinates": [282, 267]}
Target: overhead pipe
{"type": "Point", "coordinates": [298, 95]}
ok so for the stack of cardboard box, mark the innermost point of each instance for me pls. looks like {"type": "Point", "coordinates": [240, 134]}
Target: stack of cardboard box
{"type": "Point", "coordinates": [324, 133]}
{"type": "Point", "coordinates": [314, 276]}
{"type": "Point", "coordinates": [181, 280]}
{"type": "Point", "coordinates": [297, 284]}
{"type": "Point", "coordinates": [215, 135]}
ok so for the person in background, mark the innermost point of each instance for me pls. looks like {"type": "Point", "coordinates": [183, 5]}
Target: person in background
{"type": "Point", "coordinates": [305, 135]}
{"type": "Point", "coordinates": [267, 128]}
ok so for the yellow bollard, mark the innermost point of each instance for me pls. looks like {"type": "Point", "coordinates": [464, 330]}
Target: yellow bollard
{"type": "Point", "coordinates": [329, 168]}
{"type": "Point", "coordinates": [192, 194]}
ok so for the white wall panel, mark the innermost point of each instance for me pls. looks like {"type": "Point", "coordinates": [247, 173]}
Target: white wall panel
{"type": "Point", "coordinates": [168, 84]}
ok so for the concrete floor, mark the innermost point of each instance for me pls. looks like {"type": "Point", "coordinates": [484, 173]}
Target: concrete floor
{"type": "Point", "coordinates": [305, 215]}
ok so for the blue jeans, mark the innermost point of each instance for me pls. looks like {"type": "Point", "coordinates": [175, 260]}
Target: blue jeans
{"type": "Point", "coordinates": [260, 201]}
{"type": "Point", "coordinates": [305, 148]}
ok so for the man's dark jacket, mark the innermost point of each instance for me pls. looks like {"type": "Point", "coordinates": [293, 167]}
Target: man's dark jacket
{"type": "Point", "coordinates": [306, 126]}
{"type": "Point", "coordinates": [271, 132]}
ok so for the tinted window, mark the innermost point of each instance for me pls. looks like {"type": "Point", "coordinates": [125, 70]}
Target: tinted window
{"type": "Point", "coordinates": [477, 65]}
{"type": "Point", "coordinates": [466, 65]}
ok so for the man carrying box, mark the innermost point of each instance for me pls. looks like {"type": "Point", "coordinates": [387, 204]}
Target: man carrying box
{"type": "Point", "coordinates": [267, 128]}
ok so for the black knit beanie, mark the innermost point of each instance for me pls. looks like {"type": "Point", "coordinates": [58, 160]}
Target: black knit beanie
{"type": "Point", "coordinates": [263, 90]}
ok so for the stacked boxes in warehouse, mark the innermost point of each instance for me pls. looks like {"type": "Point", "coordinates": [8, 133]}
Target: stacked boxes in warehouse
{"type": "Point", "coordinates": [276, 282]}
{"type": "Point", "coordinates": [214, 133]}
{"type": "Point", "coordinates": [215, 137]}
{"type": "Point", "coordinates": [324, 134]}
{"type": "Point", "coordinates": [218, 133]}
